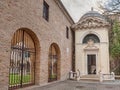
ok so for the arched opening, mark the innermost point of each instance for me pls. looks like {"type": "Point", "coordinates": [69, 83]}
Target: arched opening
{"type": "Point", "coordinates": [22, 71]}
{"type": "Point", "coordinates": [92, 37]}
{"type": "Point", "coordinates": [54, 63]}
{"type": "Point", "coordinates": [91, 53]}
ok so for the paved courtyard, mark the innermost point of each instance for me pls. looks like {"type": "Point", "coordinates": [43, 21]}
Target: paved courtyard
{"type": "Point", "coordinates": [79, 85]}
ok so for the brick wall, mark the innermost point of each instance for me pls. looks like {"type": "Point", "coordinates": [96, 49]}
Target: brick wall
{"type": "Point", "coordinates": [27, 14]}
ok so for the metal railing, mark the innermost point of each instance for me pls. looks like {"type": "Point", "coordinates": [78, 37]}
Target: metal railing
{"type": "Point", "coordinates": [110, 76]}
{"type": "Point", "coordinates": [74, 75]}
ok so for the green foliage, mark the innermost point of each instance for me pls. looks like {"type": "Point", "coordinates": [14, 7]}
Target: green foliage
{"type": "Point", "coordinates": [115, 41]}
{"type": "Point", "coordinates": [117, 71]}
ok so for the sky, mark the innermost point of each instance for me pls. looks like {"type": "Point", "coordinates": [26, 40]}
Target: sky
{"type": "Point", "coordinates": [77, 8]}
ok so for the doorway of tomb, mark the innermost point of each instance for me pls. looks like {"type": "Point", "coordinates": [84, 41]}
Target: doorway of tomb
{"type": "Point", "coordinates": [91, 59]}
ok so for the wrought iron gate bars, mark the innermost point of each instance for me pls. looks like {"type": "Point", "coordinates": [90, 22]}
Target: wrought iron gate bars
{"type": "Point", "coordinates": [18, 51]}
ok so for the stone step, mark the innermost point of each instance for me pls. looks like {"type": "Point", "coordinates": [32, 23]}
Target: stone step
{"type": "Point", "coordinates": [90, 77]}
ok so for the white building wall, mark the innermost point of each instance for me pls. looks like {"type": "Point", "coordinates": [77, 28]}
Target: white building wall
{"type": "Point", "coordinates": [102, 54]}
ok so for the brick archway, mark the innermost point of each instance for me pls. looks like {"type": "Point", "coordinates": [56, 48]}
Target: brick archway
{"type": "Point", "coordinates": [54, 63]}
{"type": "Point", "coordinates": [24, 59]}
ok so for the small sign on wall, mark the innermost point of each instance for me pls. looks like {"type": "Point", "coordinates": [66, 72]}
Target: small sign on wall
{"type": "Point", "coordinates": [67, 49]}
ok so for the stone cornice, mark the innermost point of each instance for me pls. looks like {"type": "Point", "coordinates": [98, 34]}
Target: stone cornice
{"type": "Point", "coordinates": [90, 22]}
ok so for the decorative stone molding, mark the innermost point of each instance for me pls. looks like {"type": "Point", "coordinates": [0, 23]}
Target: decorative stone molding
{"type": "Point", "coordinates": [90, 22]}
{"type": "Point", "coordinates": [90, 45]}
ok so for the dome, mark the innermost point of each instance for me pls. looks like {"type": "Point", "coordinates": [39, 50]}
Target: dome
{"type": "Point", "coordinates": [91, 19]}
{"type": "Point", "coordinates": [93, 14]}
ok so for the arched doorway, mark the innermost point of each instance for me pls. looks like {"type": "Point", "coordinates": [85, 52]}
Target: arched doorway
{"type": "Point", "coordinates": [91, 52]}
{"type": "Point", "coordinates": [22, 60]}
{"type": "Point", "coordinates": [54, 63]}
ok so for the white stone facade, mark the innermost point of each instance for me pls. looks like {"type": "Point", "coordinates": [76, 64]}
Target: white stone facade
{"type": "Point", "coordinates": [99, 51]}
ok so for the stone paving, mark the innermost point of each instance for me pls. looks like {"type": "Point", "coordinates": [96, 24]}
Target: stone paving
{"type": "Point", "coordinates": [79, 85]}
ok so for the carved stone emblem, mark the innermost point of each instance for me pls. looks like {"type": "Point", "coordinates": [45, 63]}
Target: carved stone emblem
{"type": "Point", "coordinates": [90, 43]}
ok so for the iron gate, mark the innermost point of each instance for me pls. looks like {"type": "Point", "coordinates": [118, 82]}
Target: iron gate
{"type": "Point", "coordinates": [22, 61]}
{"type": "Point", "coordinates": [52, 65]}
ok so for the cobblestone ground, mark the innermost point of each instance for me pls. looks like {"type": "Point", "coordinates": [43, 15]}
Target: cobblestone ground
{"type": "Point", "coordinates": [80, 85]}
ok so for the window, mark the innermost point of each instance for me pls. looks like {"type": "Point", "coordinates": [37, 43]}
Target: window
{"type": "Point", "coordinates": [45, 11]}
{"type": "Point", "coordinates": [92, 37]}
{"type": "Point", "coordinates": [67, 32]}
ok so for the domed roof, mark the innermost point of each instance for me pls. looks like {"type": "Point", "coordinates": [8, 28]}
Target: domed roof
{"type": "Point", "coordinates": [93, 14]}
